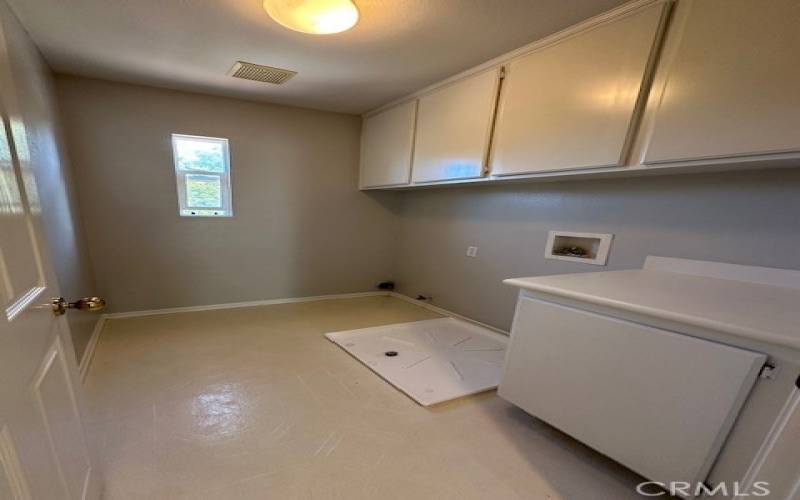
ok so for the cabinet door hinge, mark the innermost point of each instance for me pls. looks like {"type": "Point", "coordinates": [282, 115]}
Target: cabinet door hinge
{"type": "Point", "coordinates": [768, 371]}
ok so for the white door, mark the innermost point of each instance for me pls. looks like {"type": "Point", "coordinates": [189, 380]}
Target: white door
{"type": "Point", "coordinates": [387, 143]}
{"type": "Point", "coordinates": [729, 82]}
{"type": "Point", "coordinates": [454, 126]}
{"type": "Point", "coordinates": [658, 402]}
{"type": "Point", "coordinates": [43, 450]}
{"type": "Point", "coordinates": [571, 104]}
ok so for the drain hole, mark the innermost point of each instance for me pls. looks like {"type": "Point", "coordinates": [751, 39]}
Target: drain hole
{"type": "Point", "coordinates": [391, 354]}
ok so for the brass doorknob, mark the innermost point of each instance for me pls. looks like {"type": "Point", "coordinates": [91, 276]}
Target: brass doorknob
{"type": "Point", "coordinates": [91, 304]}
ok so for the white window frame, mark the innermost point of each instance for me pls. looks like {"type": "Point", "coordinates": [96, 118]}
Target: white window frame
{"type": "Point", "coordinates": [226, 210]}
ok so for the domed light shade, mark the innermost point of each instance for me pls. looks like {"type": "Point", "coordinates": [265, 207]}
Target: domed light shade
{"type": "Point", "coordinates": [319, 17]}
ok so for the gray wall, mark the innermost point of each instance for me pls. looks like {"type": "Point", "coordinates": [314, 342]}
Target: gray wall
{"type": "Point", "coordinates": [63, 229]}
{"type": "Point", "coordinates": [300, 227]}
{"type": "Point", "coordinates": [744, 218]}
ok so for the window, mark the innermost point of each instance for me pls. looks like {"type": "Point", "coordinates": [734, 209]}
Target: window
{"type": "Point", "coordinates": [203, 173]}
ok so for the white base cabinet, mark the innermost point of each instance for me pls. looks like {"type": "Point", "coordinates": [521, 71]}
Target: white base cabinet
{"type": "Point", "coordinates": [659, 402]}
{"type": "Point", "coordinates": [652, 366]}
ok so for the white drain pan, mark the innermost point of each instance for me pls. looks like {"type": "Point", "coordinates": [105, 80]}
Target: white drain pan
{"type": "Point", "coordinates": [431, 361]}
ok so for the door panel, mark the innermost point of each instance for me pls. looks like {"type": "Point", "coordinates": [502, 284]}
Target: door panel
{"type": "Point", "coordinates": [387, 142]}
{"type": "Point", "coordinates": [659, 402]}
{"type": "Point", "coordinates": [571, 104]}
{"type": "Point", "coordinates": [52, 388]}
{"type": "Point", "coordinates": [729, 83]}
{"type": "Point", "coordinates": [20, 262]}
{"type": "Point", "coordinates": [453, 129]}
{"type": "Point", "coordinates": [13, 484]}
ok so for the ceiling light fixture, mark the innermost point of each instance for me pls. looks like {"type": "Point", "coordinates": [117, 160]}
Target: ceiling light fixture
{"type": "Point", "coordinates": [319, 17]}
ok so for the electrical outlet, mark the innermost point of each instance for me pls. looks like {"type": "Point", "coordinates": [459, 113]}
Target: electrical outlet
{"type": "Point", "coordinates": [472, 251]}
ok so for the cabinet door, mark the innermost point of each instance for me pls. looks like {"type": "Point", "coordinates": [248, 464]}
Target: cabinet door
{"type": "Point", "coordinates": [571, 104]}
{"type": "Point", "coordinates": [658, 402]}
{"type": "Point", "coordinates": [729, 84]}
{"type": "Point", "coordinates": [387, 140]}
{"type": "Point", "coordinates": [453, 129]}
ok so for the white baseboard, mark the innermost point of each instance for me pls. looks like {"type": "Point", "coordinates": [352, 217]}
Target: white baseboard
{"type": "Point", "coordinates": [88, 351]}
{"type": "Point", "coordinates": [445, 312]}
{"type": "Point", "coordinates": [253, 303]}
{"type": "Point", "coordinates": [236, 305]}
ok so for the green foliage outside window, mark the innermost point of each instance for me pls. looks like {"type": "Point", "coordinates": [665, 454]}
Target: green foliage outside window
{"type": "Point", "coordinates": [203, 191]}
{"type": "Point", "coordinates": [200, 156]}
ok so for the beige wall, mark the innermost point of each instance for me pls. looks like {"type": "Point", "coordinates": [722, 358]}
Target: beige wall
{"type": "Point", "coordinates": [63, 229]}
{"type": "Point", "coordinates": [745, 218]}
{"type": "Point", "coordinates": [300, 228]}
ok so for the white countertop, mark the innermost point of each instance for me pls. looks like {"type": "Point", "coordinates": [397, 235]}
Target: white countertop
{"type": "Point", "coordinates": [759, 311]}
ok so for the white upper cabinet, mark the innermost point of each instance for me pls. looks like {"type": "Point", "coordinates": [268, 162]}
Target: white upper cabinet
{"type": "Point", "coordinates": [572, 104]}
{"type": "Point", "coordinates": [729, 82]}
{"type": "Point", "coordinates": [387, 142]}
{"type": "Point", "coordinates": [454, 127]}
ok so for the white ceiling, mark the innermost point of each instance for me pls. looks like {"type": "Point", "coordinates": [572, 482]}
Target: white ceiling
{"type": "Point", "coordinates": [399, 46]}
